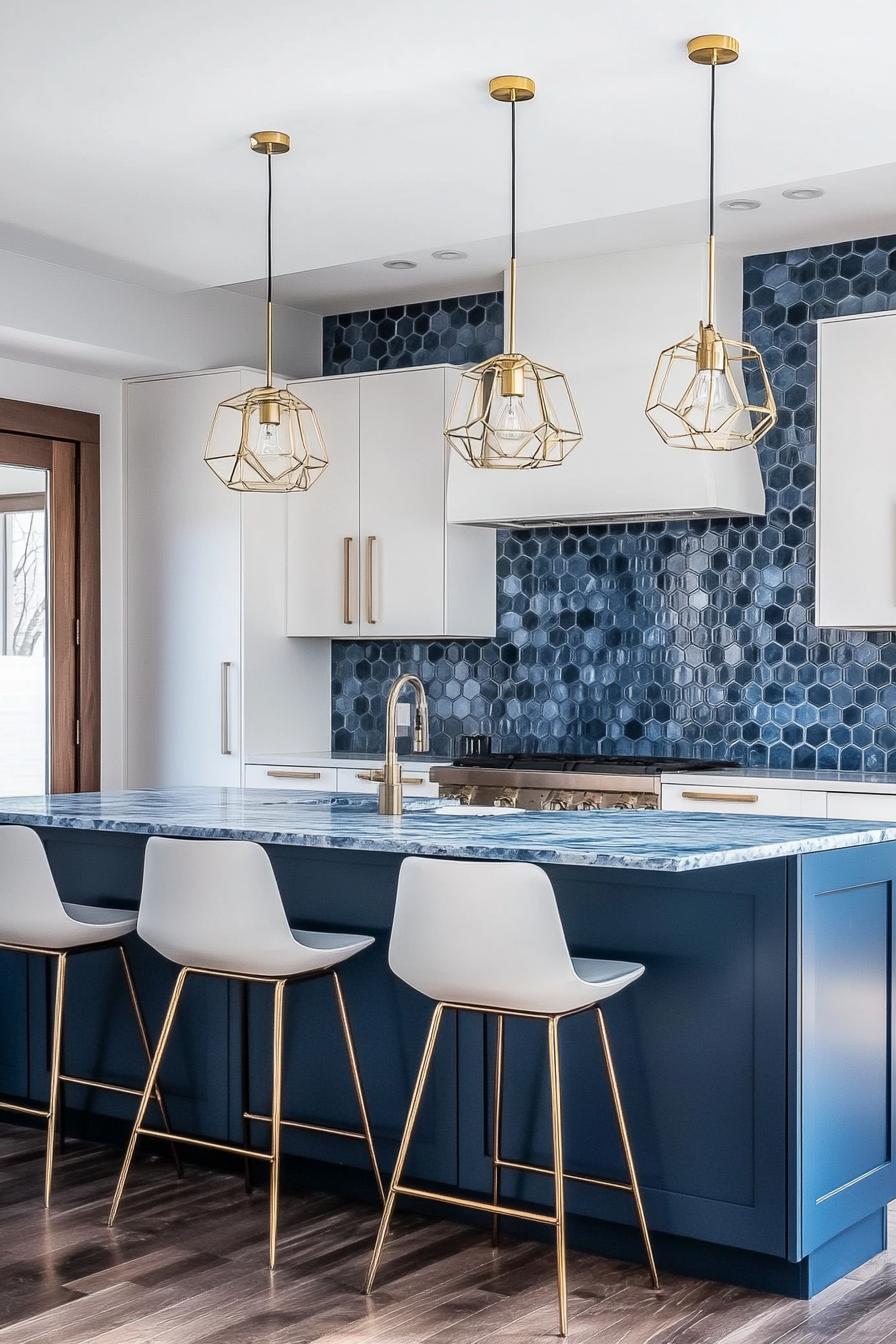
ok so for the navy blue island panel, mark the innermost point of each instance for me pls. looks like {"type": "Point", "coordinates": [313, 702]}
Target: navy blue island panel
{"type": "Point", "coordinates": [755, 1054]}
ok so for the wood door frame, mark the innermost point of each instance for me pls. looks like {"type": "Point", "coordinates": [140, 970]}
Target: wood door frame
{"type": "Point", "coordinates": [67, 445]}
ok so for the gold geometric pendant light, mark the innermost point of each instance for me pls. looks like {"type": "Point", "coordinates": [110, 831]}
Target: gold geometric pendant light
{"type": "Point", "coordinates": [698, 396]}
{"type": "Point", "coordinates": [266, 440]}
{"type": "Point", "coordinates": [510, 412]}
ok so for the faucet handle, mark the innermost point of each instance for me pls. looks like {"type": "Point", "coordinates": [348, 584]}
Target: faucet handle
{"type": "Point", "coordinates": [421, 730]}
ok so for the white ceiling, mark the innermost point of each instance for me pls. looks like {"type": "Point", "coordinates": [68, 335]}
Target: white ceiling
{"type": "Point", "coordinates": [124, 149]}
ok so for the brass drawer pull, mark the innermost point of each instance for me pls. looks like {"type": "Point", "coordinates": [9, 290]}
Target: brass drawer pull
{"type": "Point", "coordinates": [293, 774]}
{"type": "Point", "coordinates": [699, 796]}
{"type": "Point", "coordinates": [347, 580]}
{"type": "Point", "coordinates": [371, 562]}
{"type": "Point", "coordinates": [376, 777]}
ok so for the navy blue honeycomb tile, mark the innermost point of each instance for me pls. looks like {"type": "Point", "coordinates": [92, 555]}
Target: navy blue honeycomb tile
{"type": "Point", "coordinates": [452, 331]}
{"type": "Point", "coordinates": [687, 639]}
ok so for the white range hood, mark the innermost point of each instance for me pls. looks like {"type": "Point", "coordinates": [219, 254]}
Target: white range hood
{"type": "Point", "coordinates": [603, 320]}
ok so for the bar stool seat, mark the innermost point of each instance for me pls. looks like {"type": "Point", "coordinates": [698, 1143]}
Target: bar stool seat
{"type": "Point", "coordinates": [34, 919]}
{"type": "Point", "coordinates": [96, 924]}
{"type": "Point", "coordinates": [214, 908]}
{"type": "Point", "coordinates": [487, 938]}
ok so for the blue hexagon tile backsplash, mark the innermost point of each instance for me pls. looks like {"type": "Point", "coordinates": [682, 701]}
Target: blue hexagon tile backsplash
{"type": "Point", "coordinates": [686, 639]}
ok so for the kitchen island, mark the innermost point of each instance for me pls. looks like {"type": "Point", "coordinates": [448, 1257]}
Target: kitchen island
{"type": "Point", "coordinates": [755, 1054]}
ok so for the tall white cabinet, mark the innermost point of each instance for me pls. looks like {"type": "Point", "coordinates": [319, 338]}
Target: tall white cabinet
{"type": "Point", "coordinates": [370, 551]}
{"type": "Point", "coordinates": [855, 523]}
{"type": "Point", "coordinates": [210, 675]}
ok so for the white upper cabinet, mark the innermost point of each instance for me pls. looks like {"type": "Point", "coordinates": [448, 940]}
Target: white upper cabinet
{"type": "Point", "coordinates": [603, 321]}
{"type": "Point", "coordinates": [855, 524]}
{"type": "Point", "coordinates": [370, 553]}
{"type": "Point", "coordinates": [323, 595]}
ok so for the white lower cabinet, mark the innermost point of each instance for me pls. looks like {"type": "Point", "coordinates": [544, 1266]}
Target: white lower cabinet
{"type": "Point", "coordinates": [310, 777]}
{"type": "Point", "coordinates": [744, 798]}
{"type": "Point", "coordinates": [862, 806]}
{"type": "Point", "coordinates": [366, 779]}
{"type": "Point", "coordinates": [360, 777]}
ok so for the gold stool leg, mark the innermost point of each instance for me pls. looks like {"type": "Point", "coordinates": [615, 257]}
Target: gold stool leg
{"type": "Point", "coordinates": [356, 1080]}
{"type": "Point", "coordinates": [416, 1098]}
{"type": "Point", "coordinates": [626, 1145]}
{"type": "Point", "coordinates": [148, 1089]}
{"type": "Point", "coordinates": [245, 1088]}
{"type": "Point", "coordinates": [276, 1126]}
{"type": "Point", "coordinates": [557, 1134]}
{"type": "Point", "coordinates": [144, 1037]}
{"type": "Point", "coordinates": [496, 1126]}
{"type": "Point", "coordinates": [55, 1070]}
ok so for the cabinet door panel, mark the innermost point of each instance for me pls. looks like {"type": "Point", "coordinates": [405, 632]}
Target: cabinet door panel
{"type": "Point", "coordinates": [403, 504]}
{"type": "Point", "coordinates": [183, 588]}
{"type": "Point", "coordinates": [856, 579]}
{"type": "Point", "coordinates": [322, 529]}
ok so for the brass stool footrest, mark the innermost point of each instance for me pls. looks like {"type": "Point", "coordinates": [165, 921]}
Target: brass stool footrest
{"type": "Point", "coordinates": [567, 1175]}
{"type": "Point", "coordinates": [203, 1143]}
{"type": "Point", "coordinates": [482, 1205]}
{"type": "Point", "coordinates": [104, 1087]}
{"type": "Point", "coordinates": [306, 1124]}
{"type": "Point", "coordinates": [21, 1109]}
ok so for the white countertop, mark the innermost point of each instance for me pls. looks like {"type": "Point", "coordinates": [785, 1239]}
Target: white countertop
{"type": "Point", "coordinates": [290, 760]}
{"type": "Point", "coordinates": [829, 781]}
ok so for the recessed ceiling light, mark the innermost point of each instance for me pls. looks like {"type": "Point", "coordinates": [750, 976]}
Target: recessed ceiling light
{"type": "Point", "coordinates": [400, 265]}
{"type": "Point", "coordinates": [449, 254]}
{"type": "Point", "coordinates": [741, 203]}
{"type": "Point", "coordinates": [803, 193]}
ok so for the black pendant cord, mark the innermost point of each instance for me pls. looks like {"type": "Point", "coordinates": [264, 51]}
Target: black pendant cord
{"type": "Point", "coordinates": [712, 150]}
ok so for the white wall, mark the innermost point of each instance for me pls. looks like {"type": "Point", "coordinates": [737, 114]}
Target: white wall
{"type": "Point", "coordinates": [71, 319]}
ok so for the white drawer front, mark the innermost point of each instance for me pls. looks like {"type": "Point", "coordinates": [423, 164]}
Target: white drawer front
{"type": "Point", "coordinates": [366, 780]}
{"type": "Point", "coordinates": [321, 778]}
{"type": "Point", "coordinates": [743, 798]}
{"type": "Point", "coordinates": [862, 806]}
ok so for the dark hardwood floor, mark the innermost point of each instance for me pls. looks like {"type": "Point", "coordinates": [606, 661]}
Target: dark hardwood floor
{"type": "Point", "coordinates": [187, 1263]}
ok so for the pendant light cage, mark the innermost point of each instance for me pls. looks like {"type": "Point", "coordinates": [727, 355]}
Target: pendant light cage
{"type": "Point", "coordinates": [709, 391]}
{"type": "Point", "coordinates": [266, 440]}
{"type": "Point", "coordinates": [542, 434]}
{"type": "Point", "coordinates": [690, 409]}
{"type": "Point", "coordinates": [249, 456]}
{"type": "Point", "coordinates": [509, 412]}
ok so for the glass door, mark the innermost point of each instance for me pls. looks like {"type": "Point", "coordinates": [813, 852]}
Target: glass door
{"type": "Point", "coordinates": [24, 679]}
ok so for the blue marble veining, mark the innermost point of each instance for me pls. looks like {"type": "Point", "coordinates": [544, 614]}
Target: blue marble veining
{"type": "Point", "coordinates": [679, 639]}
{"type": "Point", "coordinates": [669, 842]}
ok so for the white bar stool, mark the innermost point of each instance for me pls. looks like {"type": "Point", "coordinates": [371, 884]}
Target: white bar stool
{"type": "Point", "coordinates": [33, 918]}
{"type": "Point", "coordinates": [487, 938]}
{"type": "Point", "coordinates": [214, 908]}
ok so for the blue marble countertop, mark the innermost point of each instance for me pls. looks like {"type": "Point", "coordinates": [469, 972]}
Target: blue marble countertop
{"type": "Point", "coordinates": [669, 842]}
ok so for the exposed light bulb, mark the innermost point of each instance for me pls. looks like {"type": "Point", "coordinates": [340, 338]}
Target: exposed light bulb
{"type": "Point", "coordinates": [511, 425]}
{"type": "Point", "coordinates": [709, 405]}
{"type": "Point", "coordinates": [269, 450]}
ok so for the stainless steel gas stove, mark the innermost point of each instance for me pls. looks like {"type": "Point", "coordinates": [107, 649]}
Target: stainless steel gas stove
{"type": "Point", "coordinates": [542, 782]}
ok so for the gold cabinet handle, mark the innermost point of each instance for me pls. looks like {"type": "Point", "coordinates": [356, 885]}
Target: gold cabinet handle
{"type": "Point", "coordinates": [707, 796]}
{"type": "Point", "coordinates": [293, 774]}
{"type": "Point", "coordinates": [376, 777]}
{"type": "Point", "coordinates": [347, 580]}
{"type": "Point", "coordinates": [371, 563]}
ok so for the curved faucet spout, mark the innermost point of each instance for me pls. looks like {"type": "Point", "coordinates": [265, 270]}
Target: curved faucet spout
{"type": "Point", "coordinates": [390, 799]}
